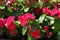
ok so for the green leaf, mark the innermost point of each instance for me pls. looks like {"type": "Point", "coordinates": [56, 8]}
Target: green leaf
{"type": "Point", "coordinates": [10, 9]}
{"type": "Point", "coordinates": [42, 17]}
{"type": "Point", "coordinates": [58, 36]}
{"type": "Point", "coordinates": [24, 30]}
{"type": "Point", "coordinates": [1, 31]}
{"type": "Point", "coordinates": [20, 1]}
{"type": "Point", "coordinates": [58, 0]}
{"type": "Point", "coordinates": [2, 7]}
{"type": "Point", "coordinates": [57, 24]}
{"type": "Point", "coordinates": [53, 0]}
{"type": "Point", "coordinates": [29, 37]}
{"type": "Point", "coordinates": [49, 17]}
{"type": "Point", "coordinates": [52, 22]}
{"type": "Point", "coordinates": [18, 22]}
{"type": "Point", "coordinates": [26, 9]}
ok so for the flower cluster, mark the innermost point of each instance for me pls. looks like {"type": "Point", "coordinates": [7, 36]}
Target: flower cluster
{"type": "Point", "coordinates": [25, 18]}
{"type": "Point", "coordinates": [52, 12]}
{"type": "Point", "coordinates": [33, 19]}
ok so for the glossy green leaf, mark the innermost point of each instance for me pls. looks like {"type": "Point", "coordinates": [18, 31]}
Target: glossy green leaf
{"type": "Point", "coordinates": [10, 9]}
{"type": "Point", "coordinates": [24, 30]}
{"type": "Point", "coordinates": [52, 22]}
{"type": "Point", "coordinates": [42, 17]}
{"type": "Point", "coordinates": [2, 7]}
{"type": "Point", "coordinates": [26, 9]}
{"type": "Point", "coordinates": [29, 37]}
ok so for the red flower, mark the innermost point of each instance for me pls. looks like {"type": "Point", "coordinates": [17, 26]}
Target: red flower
{"type": "Point", "coordinates": [37, 11]}
{"type": "Point", "coordinates": [12, 33]}
{"type": "Point", "coordinates": [11, 27]}
{"type": "Point", "coordinates": [10, 20]}
{"type": "Point", "coordinates": [46, 28]}
{"type": "Point", "coordinates": [9, 23]}
{"type": "Point", "coordinates": [54, 11]}
{"type": "Point", "coordinates": [27, 3]}
{"type": "Point", "coordinates": [2, 23]}
{"type": "Point", "coordinates": [58, 14]}
{"type": "Point", "coordinates": [12, 1]}
{"type": "Point", "coordinates": [25, 18]}
{"type": "Point", "coordinates": [49, 34]}
{"type": "Point", "coordinates": [29, 16]}
{"type": "Point", "coordinates": [46, 10]}
{"type": "Point", "coordinates": [9, 2]}
{"type": "Point", "coordinates": [35, 33]}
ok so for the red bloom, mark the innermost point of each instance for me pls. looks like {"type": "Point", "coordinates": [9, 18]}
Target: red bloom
{"type": "Point", "coordinates": [12, 1]}
{"type": "Point", "coordinates": [9, 23]}
{"type": "Point", "coordinates": [46, 10]}
{"type": "Point", "coordinates": [27, 2]}
{"type": "Point", "coordinates": [25, 18]}
{"type": "Point", "coordinates": [46, 28]}
{"type": "Point", "coordinates": [10, 20]}
{"type": "Point", "coordinates": [54, 11]}
{"type": "Point", "coordinates": [58, 14]}
{"type": "Point", "coordinates": [12, 33]}
{"type": "Point", "coordinates": [35, 33]}
{"type": "Point", "coordinates": [37, 11]}
{"type": "Point", "coordinates": [29, 16]}
{"type": "Point", "coordinates": [2, 23]}
{"type": "Point", "coordinates": [9, 2]}
{"type": "Point", "coordinates": [11, 27]}
{"type": "Point", "coordinates": [49, 34]}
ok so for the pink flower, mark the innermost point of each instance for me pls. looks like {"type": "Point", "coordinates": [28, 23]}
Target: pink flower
{"type": "Point", "coordinates": [12, 33]}
{"type": "Point", "coordinates": [24, 22]}
{"type": "Point", "coordinates": [46, 28]}
{"type": "Point", "coordinates": [27, 3]}
{"type": "Point", "coordinates": [9, 2]}
{"type": "Point", "coordinates": [9, 23]}
{"type": "Point", "coordinates": [37, 11]}
{"type": "Point", "coordinates": [2, 22]}
{"type": "Point", "coordinates": [29, 16]}
{"type": "Point", "coordinates": [10, 20]}
{"type": "Point", "coordinates": [54, 11]}
{"type": "Point", "coordinates": [46, 10]}
{"type": "Point", "coordinates": [12, 1]}
{"type": "Point", "coordinates": [25, 18]}
{"type": "Point", "coordinates": [35, 34]}
{"type": "Point", "coordinates": [11, 27]}
{"type": "Point", "coordinates": [58, 14]}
